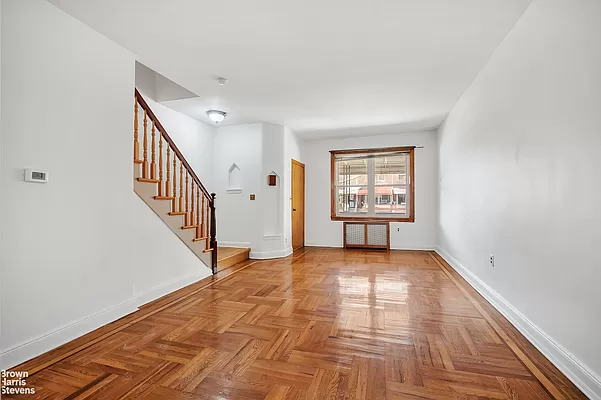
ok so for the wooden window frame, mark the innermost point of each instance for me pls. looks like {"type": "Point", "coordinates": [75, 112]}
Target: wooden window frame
{"type": "Point", "coordinates": [411, 186]}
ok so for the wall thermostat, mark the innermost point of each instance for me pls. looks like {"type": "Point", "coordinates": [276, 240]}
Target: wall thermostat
{"type": "Point", "coordinates": [33, 175]}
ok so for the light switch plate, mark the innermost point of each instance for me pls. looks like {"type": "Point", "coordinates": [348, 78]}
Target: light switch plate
{"type": "Point", "coordinates": [37, 176]}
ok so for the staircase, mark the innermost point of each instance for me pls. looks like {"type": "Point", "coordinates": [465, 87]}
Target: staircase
{"type": "Point", "coordinates": [175, 193]}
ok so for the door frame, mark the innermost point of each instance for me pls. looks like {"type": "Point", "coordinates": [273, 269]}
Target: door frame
{"type": "Point", "coordinates": [300, 164]}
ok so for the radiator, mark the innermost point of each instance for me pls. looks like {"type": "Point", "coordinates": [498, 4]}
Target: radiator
{"type": "Point", "coordinates": [367, 235]}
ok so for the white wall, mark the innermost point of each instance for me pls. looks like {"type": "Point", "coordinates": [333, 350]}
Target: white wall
{"type": "Point", "coordinates": [239, 218]}
{"type": "Point", "coordinates": [263, 224]}
{"type": "Point", "coordinates": [1, 199]}
{"type": "Point", "coordinates": [71, 248]}
{"type": "Point", "coordinates": [272, 196]}
{"type": "Point", "coordinates": [161, 262]}
{"type": "Point", "coordinates": [321, 231]}
{"type": "Point", "coordinates": [520, 178]}
{"type": "Point", "coordinates": [145, 79]}
{"type": "Point", "coordinates": [60, 253]}
{"type": "Point", "coordinates": [292, 151]}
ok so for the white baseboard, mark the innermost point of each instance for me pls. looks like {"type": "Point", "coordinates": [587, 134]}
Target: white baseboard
{"type": "Point", "coordinates": [413, 248]}
{"type": "Point", "coordinates": [392, 247]}
{"type": "Point", "coordinates": [169, 287]}
{"type": "Point", "coordinates": [580, 374]}
{"type": "Point", "coordinates": [276, 236]}
{"type": "Point", "coordinates": [239, 245]}
{"type": "Point", "coordinates": [48, 341]}
{"type": "Point", "coordinates": [331, 246]}
{"type": "Point", "coordinates": [265, 255]}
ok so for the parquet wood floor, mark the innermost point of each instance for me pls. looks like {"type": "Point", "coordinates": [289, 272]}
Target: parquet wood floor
{"type": "Point", "coordinates": [324, 323]}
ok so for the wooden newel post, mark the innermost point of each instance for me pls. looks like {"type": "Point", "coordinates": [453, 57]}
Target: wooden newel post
{"type": "Point", "coordinates": [213, 242]}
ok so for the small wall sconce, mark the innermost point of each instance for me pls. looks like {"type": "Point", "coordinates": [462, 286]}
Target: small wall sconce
{"type": "Point", "coordinates": [272, 180]}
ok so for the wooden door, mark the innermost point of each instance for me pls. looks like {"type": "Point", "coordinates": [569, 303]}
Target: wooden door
{"type": "Point", "coordinates": [298, 205]}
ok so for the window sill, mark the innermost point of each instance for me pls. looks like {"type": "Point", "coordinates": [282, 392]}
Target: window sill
{"type": "Point", "coordinates": [373, 219]}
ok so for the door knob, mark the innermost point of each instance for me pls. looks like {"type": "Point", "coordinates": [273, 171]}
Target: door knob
{"type": "Point", "coordinates": [294, 209]}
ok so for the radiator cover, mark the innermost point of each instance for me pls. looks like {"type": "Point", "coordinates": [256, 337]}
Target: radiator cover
{"type": "Point", "coordinates": [367, 235]}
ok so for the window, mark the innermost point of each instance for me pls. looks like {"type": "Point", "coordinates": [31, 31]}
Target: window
{"type": "Point", "coordinates": [373, 184]}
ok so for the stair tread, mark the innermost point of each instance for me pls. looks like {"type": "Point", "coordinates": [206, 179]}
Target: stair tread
{"type": "Point", "coordinates": [189, 226]}
{"type": "Point", "coordinates": [148, 180]}
{"type": "Point", "coordinates": [177, 213]}
{"type": "Point", "coordinates": [230, 256]}
{"type": "Point", "coordinates": [207, 250]}
{"type": "Point", "coordinates": [199, 239]}
{"type": "Point", "coordinates": [163, 197]}
{"type": "Point", "coordinates": [228, 252]}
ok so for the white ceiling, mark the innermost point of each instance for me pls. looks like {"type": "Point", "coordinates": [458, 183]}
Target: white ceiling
{"type": "Point", "coordinates": [314, 65]}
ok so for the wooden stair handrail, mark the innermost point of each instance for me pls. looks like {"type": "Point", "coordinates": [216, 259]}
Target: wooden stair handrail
{"type": "Point", "coordinates": [163, 131]}
{"type": "Point", "coordinates": [211, 236]}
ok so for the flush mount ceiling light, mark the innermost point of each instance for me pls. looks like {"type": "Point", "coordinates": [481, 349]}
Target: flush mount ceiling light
{"type": "Point", "coordinates": [216, 116]}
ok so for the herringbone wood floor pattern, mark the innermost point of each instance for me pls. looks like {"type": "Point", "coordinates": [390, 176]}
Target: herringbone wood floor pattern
{"type": "Point", "coordinates": [325, 323]}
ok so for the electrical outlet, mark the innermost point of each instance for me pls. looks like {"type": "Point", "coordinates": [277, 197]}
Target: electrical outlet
{"type": "Point", "coordinates": [491, 260]}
